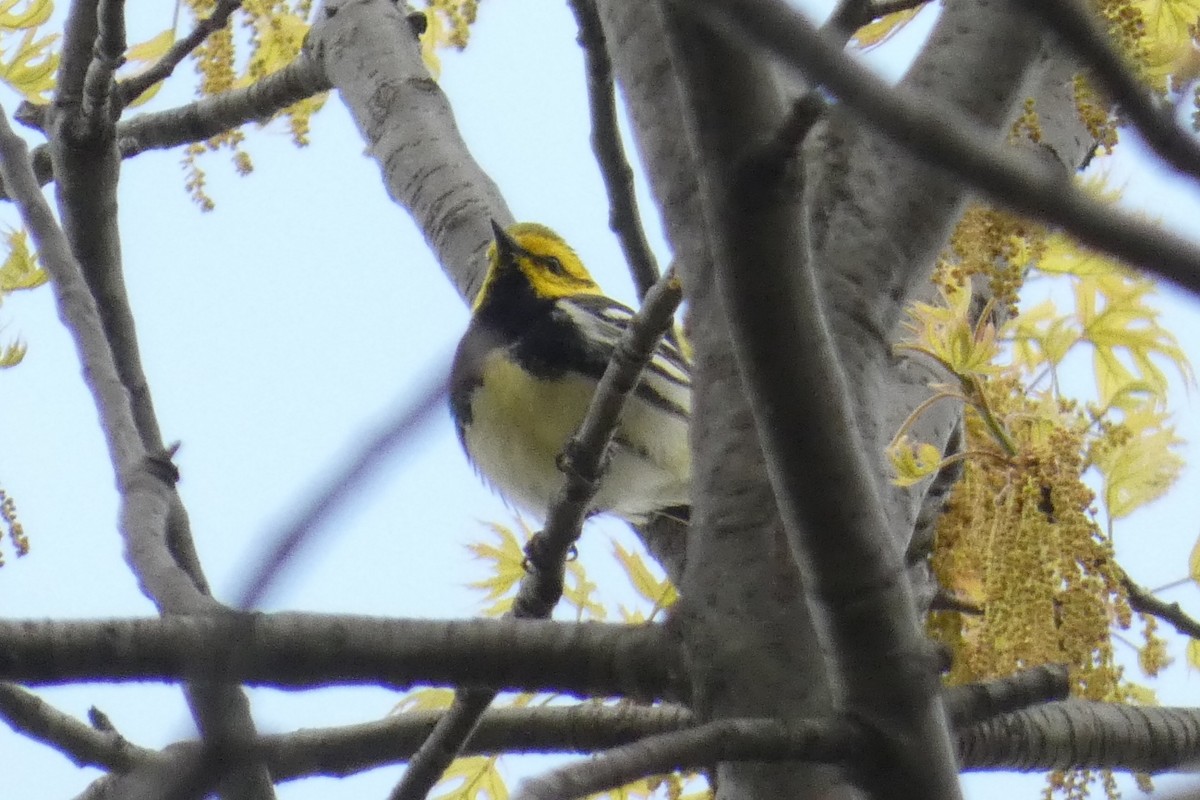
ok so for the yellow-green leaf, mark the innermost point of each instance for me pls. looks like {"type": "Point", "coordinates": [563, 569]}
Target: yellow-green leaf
{"type": "Point", "coordinates": [146, 54]}
{"type": "Point", "coordinates": [1193, 653]}
{"type": "Point", "coordinates": [35, 13]}
{"type": "Point", "coordinates": [151, 50]}
{"type": "Point", "coordinates": [913, 461]}
{"type": "Point", "coordinates": [579, 592]}
{"type": "Point", "coordinates": [657, 591]}
{"type": "Point", "coordinates": [425, 699]}
{"type": "Point", "coordinates": [876, 33]}
{"type": "Point", "coordinates": [1041, 336]}
{"type": "Point", "coordinates": [20, 269]}
{"type": "Point", "coordinates": [279, 37]}
{"type": "Point", "coordinates": [1141, 695]}
{"type": "Point", "coordinates": [1115, 317]}
{"type": "Point", "coordinates": [472, 778]}
{"type": "Point", "coordinates": [946, 333]}
{"type": "Point", "coordinates": [30, 69]}
{"type": "Point", "coordinates": [506, 560]}
{"type": "Point", "coordinates": [631, 616]}
{"type": "Point", "coordinates": [12, 354]}
{"type": "Point", "coordinates": [1142, 468]}
{"type": "Point", "coordinates": [1168, 36]}
{"type": "Point", "coordinates": [638, 790]}
{"type": "Point", "coordinates": [431, 40]}
{"type": "Point", "coordinates": [1194, 562]}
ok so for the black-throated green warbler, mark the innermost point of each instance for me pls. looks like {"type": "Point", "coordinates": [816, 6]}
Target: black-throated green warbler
{"type": "Point", "coordinates": [540, 337]}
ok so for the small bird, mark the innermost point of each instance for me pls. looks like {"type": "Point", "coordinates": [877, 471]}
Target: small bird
{"type": "Point", "coordinates": [540, 337]}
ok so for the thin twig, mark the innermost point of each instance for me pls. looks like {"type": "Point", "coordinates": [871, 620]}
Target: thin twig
{"type": "Point", "coordinates": [108, 55]}
{"type": "Point", "coordinates": [584, 454]}
{"type": "Point", "coordinates": [943, 136]}
{"type": "Point", "coordinates": [133, 87]}
{"type": "Point", "coordinates": [542, 586]}
{"type": "Point", "coordinates": [1081, 30]}
{"type": "Point", "coordinates": [203, 119]}
{"type": "Point", "coordinates": [444, 744]}
{"type": "Point", "coordinates": [623, 217]}
{"type": "Point", "coordinates": [977, 702]}
{"type": "Point", "coordinates": [145, 494]}
{"type": "Point", "coordinates": [76, 306]}
{"type": "Point", "coordinates": [299, 533]}
{"type": "Point", "coordinates": [345, 750]}
{"type": "Point", "coordinates": [803, 114]}
{"type": "Point", "coordinates": [157, 535]}
{"type": "Point", "coordinates": [829, 742]}
{"type": "Point", "coordinates": [86, 746]}
{"type": "Point", "coordinates": [79, 37]}
{"type": "Point", "coordinates": [1143, 601]}
{"type": "Point", "coordinates": [578, 728]}
{"type": "Point", "coordinates": [94, 307]}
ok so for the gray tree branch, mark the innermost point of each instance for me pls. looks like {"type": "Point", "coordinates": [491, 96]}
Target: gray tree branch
{"type": "Point", "coordinates": [1085, 735]}
{"type": "Point", "coordinates": [942, 136]}
{"type": "Point", "coordinates": [827, 742]}
{"type": "Point", "coordinates": [623, 216]}
{"type": "Point", "coordinates": [854, 578]}
{"type": "Point", "coordinates": [203, 119]}
{"type": "Point", "coordinates": [1078, 26]}
{"type": "Point", "coordinates": [30, 716]}
{"type": "Point", "coordinates": [308, 650]}
{"type": "Point", "coordinates": [130, 89]}
{"type": "Point", "coordinates": [367, 50]}
{"type": "Point", "coordinates": [83, 147]}
{"type": "Point", "coordinates": [746, 629]}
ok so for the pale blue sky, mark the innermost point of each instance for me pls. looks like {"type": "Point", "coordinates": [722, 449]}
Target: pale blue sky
{"type": "Point", "coordinates": [280, 329]}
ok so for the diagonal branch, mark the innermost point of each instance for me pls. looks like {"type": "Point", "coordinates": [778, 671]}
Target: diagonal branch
{"type": "Point", "coordinates": [157, 534]}
{"type": "Point", "coordinates": [833, 517]}
{"type": "Point", "coordinates": [147, 493]}
{"type": "Point", "coordinates": [723, 740]}
{"type": "Point", "coordinates": [77, 308]}
{"type": "Point", "coordinates": [1062, 735]}
{"type": "Point", "coordinates": [1144, 601]}
{"type": "Point", "coordinates": [28, 714]}
{"type": "Point", "coordinates": [79, 38]}
{"type": "Point", "coordinates": [203, 119]}
{"type": "Point", "coordinates": [1155, 120]}
{"type": "Point", "coordinates": [979, 702]}
{"type": "Point", "coordinates": [316, 512]}
{"type": "Point", "coordinates": [107, 56]}
{"type": "Point", "coordinates": [623, 216]}
{"type": "Point", "coordinates": [133, 87]}
{"type": "Point", "coordinates": [943, 136]}
{"type": "Point", "coordinates": [584, 454]}
{"type": "Point", "coordinates": [369, 52]}
{"type": "Point", "coordinates": [541, 588]}
{"type": "Point", "coordinates": [579, 728]}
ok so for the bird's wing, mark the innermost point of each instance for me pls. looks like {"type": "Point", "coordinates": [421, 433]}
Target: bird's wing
{"type": "Point", "coordinates": [666, 381]}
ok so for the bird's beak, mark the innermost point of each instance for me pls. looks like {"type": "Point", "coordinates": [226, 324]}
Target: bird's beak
{"type": "Point", "coordinates": [506, 247]}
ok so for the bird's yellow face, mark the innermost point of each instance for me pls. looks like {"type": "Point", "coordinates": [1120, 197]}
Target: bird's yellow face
{"type": "Point", "coordinates": [551, 267]}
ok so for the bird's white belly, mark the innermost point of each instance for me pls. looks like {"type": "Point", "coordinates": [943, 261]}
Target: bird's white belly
{"type": "Point", "coordinates": [519, 425]}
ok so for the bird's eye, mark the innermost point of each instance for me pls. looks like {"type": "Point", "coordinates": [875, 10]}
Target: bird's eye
{"type": "Point", "coordinates": [555, 266]}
